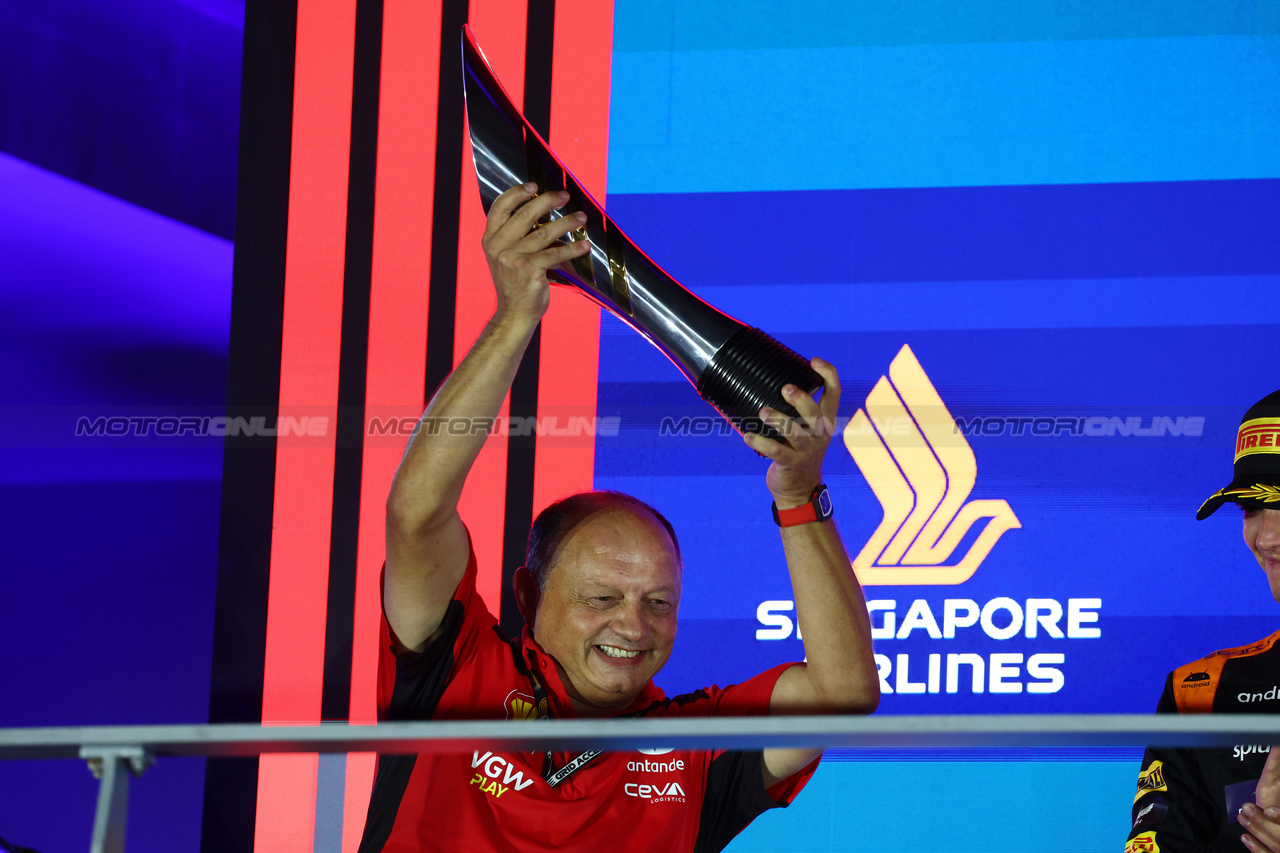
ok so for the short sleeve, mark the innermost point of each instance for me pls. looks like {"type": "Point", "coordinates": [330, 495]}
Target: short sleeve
{"type": "Point", "coordinates": [752, 697]}
{"type": "Point", "coordinates": [735, 793]}
{"type": "Point", "coordinates": [749, 699]}
{"type": "Point", "coordinates": [410, 684]}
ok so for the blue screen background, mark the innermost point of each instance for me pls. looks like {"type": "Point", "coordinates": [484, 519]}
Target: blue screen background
{"type": "Point", "coordinates": [1064, 211]}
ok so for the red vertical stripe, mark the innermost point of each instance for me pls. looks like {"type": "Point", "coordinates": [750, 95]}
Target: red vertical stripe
{"type": "Point", "coordinates": [398, 309]}
{"type": "Point", "coordinates": [293, 671]}
{"type": "Point", "coordinates": [286, 816]}
{"type": "Point", "coordinates": [499, 27]}
{"type": "Point", "coordinates": [361, 767]}
{"type": "Point", "coordinates": [568, 367]}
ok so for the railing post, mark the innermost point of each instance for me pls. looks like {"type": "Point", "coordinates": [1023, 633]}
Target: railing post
{"type": "Point", "coordinates": [112, 766]}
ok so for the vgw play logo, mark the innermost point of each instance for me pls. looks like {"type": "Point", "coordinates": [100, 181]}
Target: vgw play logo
{"type": "Point", "coordinates": [921, 469]}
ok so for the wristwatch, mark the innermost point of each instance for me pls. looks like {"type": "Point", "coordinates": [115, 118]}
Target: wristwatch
{"type": "Point", "coordinates": [817, 509]}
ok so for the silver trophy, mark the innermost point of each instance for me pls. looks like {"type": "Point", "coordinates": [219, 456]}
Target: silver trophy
{"type": "Point", "coordinates": [735, 367]}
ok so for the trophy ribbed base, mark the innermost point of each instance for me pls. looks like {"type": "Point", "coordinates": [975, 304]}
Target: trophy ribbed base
{"type": "Point", "coordinates": [748, 373]}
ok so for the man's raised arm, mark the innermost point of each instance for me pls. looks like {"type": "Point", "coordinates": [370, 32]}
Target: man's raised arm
{"type": "Point", "coordinates": [839, 675]}
{"type": "Point", "coordinates": [426, 542]}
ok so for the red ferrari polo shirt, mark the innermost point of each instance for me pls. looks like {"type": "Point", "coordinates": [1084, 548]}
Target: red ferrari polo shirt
{"type": "Point", "coordinates": [487, 800]}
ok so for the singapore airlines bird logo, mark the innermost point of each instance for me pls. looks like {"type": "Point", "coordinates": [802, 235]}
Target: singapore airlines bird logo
{"type": "Point", "coordinates": [922, 470]}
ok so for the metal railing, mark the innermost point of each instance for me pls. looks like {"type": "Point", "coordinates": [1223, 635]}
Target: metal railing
{"type": "Point", "coordinates": [116, 753]}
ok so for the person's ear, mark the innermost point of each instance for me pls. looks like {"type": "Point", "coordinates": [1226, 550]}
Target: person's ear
{"type": "Point", "coordinates": [526, 589]}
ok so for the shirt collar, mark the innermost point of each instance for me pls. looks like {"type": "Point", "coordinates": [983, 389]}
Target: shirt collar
{"type": "Point", "coordinates": [544, 668]}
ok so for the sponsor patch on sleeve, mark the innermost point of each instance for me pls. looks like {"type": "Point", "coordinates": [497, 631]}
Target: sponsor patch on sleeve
{"type": "Point", "coordinates": [1144, 843]}
{"type": "Point", "coordinates": [1151, 779]}
{"type": "Point", "coordinates": [1152, 814]}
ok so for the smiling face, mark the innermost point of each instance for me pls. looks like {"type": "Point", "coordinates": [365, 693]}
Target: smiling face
{"type": "Point", "coordinates": [608, 613]}
{"type": "Point", "coordinates": [1262, 535]}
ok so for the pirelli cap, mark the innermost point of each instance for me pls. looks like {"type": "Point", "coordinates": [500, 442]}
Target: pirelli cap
{"type": "Point", "coordinates": [1257, 469]}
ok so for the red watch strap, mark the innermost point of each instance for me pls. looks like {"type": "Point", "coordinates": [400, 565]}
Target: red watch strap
{"type": "Point", "coordinates": [796, 515]}
{"type": "Point", "coordinates": [817, 509]}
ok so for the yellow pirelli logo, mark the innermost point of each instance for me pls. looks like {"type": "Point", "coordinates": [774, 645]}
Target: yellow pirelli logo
{"type": "Point", "coordinates": [921, 469]}
{"type": "Point", "coordinates": [1144, 843]}
{"type": "Point", "coordinates": [1260, 435]}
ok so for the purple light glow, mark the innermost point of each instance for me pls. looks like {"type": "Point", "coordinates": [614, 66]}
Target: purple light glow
{"type": "Point", "coordinates": [103, 304]}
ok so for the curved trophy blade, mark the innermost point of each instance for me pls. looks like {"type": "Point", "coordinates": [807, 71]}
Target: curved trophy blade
{"type": "Point", "coordinates": [737, 368]}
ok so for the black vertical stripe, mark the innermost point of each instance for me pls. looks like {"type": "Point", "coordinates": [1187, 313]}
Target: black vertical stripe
{"type": "Point", "coordinates": [734, 796]}
{"type": "Point", "coordinates": [524, 389]}
{"type": "Point", "coordinates": [537, 65]}
{"type": "Point", "coordinates": [253, 389]}
{"type": "Point", "coordinates": [448, 186]}
{"type": "Point", "coordinates": [518, 514]}
{"type": "Point", "coordinates": [344, 531]}
{"type": "Point", "coordinates": [419, 685]}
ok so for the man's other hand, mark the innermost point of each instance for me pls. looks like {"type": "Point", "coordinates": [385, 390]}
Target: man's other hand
{"type": "Point", "coordinates": [520, 251]}
{"type": "Point", "coordinates": [1263, 819]}
{"type": "Point", "coordinates": [797, 464]}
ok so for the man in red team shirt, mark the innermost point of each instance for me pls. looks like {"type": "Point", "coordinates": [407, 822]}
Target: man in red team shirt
{"type": "Point", "coordinates": [600, 597]}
